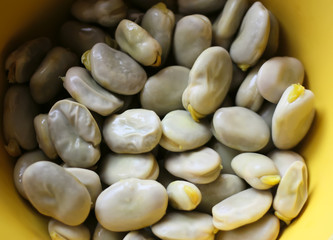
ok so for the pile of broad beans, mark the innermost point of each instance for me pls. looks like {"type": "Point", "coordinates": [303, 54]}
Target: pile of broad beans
{"type": "Point", "coordinates": [152, 120]}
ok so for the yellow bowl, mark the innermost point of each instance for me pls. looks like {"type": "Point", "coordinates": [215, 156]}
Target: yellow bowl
{"type": "Point", "coordinates": [306, 33]}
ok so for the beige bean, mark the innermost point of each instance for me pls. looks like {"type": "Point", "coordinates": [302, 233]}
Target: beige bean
{"type": "Point", "coordinates": [266, 228]}
{"type": "Point", "coordinates": [19, 111]}
{"type": "Point", "coordinates": [193, 34]}
{"type": "Point", "coordinates": [133, 131]}
{"type": "Point", "coordinates": [56, 193]}
{"type": "Point", "coordinates": [199, 6]}
{"type": "Point", "coordinates": [183, 195]}
{"type": "Point", "coordinates": [276, 75]}
{"type": "Point", "coordinates": [273, 39]}
{"type": "Point", "coordinates": [185, 226]}
{"type": "Point", "coordinates": [80, 37]}
{"type": "Point", "coordinates": [251, 40]}
{"type": "Point", "coordinates": [114, 70]}
{"type": "Point", "coordinates": [241, 208]}
{"type": "Point", "coordinates": [139, 235]}
{"type": "Point", "coordinates": [248, 94]}
{"type": "Point", "coordinates": [58, 230]}
{"type": "Point", "coordinates": [256, 169]}
{"type": "Point", "coordinates": [107, 13]}
{"type": "Point", "coordinates": [134, 204]}
{"type": "Point", "coordinates": [201, 166]}
{"type": "Point", "coordinates": [209, 82]}
{"type": "Point", "coordinates": [266, 112]}
{"type": "Point", "coordinates": [226, 154]}
{"type": "Point", "coordinates": [21, 165]}
{"type": "Point", "coordinates": [240, 128]}
{"type": "Point", "coordinates": [23, 61]}
{"type": "Point", "coordinates": [238, 77]}
{"type": "Point", "coordinates": [74, 133]}
{"type": "Point", "coordinates": [45, 83]}
{"type": "Point", "coordinates": [284, 158]}
{"type": "Point", "coordinates": [163, 91]}
{"type": "Point", "coordinates": [223, 187]}
{"type": "Point", "coordinates": [228, 22]}
{"type": "Point", "coordinates": [89, 179]}
{"type": "Point", "coordinates": [100, 233]}
{"type": "Point", "coordinates": [138, 43]}
{"type": "Point", "coordinates": [84, 89]}
{"type": "Point", "coordinates": [293, 116]}
{"type": "Point", "coordinates": [182, 133]}
{"type": "Point", "coordinates": [115, 167]}
{"type": "Point", "coordinates": [159, 21]}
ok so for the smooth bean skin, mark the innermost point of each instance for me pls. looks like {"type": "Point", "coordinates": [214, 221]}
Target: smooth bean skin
{"type": "Point", "coordinates": [19, 111]}
{"type": "Point", "coordinates": [199, 6]}
{"type": "Point", "coordinates": [156, 96]}
{"type": "Point", "coordinates": [100, 233]}
{"type": "Point", "coordinates": [159, 21]}
{"type": "Point", "coordinates": [185, 226]}
{"type": "Point", "coordinates": [56, 193]}
{"type": "Point", "coordinates": [209, 82]}
{"type": "Point", "coordinates": [74, 133]}
{"type": "Point", "coordinates": [138, 235]}
{"type": "Point", "coordinates": [284, 158]}
{"type": "Point", "coordinates": [256, 169]}
{"type": "Point", "coordinates": [223, 187]}
{"type": "Point", "coordinates": [138, 43]}
{"type": "Point", "coordinates": [182, 133]}
{"type": "Point", "coordinates": [115, 167]}
{"type": "Point", "coordinates": [133, 131]}
{"type": "Point", "coordinates": [131, 204]}
{"type": "Point", "coordinates": [240, 128]}
{"type": "Point", "coordinates": [84, 89]}
{"type": "Point", "coordinates": [58, 230]}
{"type": "Point", "coordinates": [107, 13]}
{"type": "Point", "coordinates": [251, 40]}
{"type": "Point", "coordinates": [241, 208]}
{"type": "Point", "coordinates": [193, 34]}
{"type": "Point", "coordinates": [292, 117]}
{"type": "Point", "coordinates": [45, 83]}
{"type": "Point", "coordinates": [201, 165]}
{"type": "Point", "coordinates": [273, 38]}
{"type": "Point", "coordinates": [266, 228]}
{"type": "Point", "coordinates": [277, 74]}
{"type": "Point", "coordinates": [228, 22]}
{"type": "Point", "coordinates": [114, 70]}
{"type": "Point", "coordinates": [23, 61]}
{"type": "Point", "coordinates": [24, 161]}
{"type": "Point", "coordinates": [183, 195]}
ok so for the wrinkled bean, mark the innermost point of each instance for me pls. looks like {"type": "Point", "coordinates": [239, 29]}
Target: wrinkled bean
{"type": "Point", "coordinates": [58, 230]}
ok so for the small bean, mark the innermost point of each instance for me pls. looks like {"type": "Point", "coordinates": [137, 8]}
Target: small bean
{"type": "Point", "coordinates": [209, 82]}
{"type": "Point", "coordinates": [193, 34]}
{"type": "Point", "coordinates": [84, 89]}
{"type": "Point", "coordinates": [19, 111]}
{"type": "Point", "coordinates": [201, 166]}
{"type": "Point", "coordinates": [276, 75]}
{"type": "Point", "coordinates": [241, 208]}
{"type": "Point", "coordinates": [226, 154]}
{"type": "Point", "coordinates": [182, 133]}
{"type": "Point", "coordinates": [240, 128]}
{"type": "Point", "coordinates": [56, 193]}
{"type": "Point", "coordinates": [292, 117]}
{"type": "Point", "coordinates": [74, 133]}
{"type": "Point", "coordinates": [100, 233]}
{"type": "Point", "coordinates": [131, 204]}
{"type": "Point", "coordinates": [266, 228]}
{"type": "Point", "coordinates": [21, 165]}
{"type": "Point", "coordinates": [133, 131]}
{"type": "Point", "coordinates": [223, 187]}
{"type": "Point", "coordinates": [185, 226]}
{"type": "Point", "coordinates": [256, 169]}
{"type": "Point", "coordinates": [251, 40]}
{"type": "Point", "coordinates": [199, 6]}
{"type": "Point", "coordinates": [138, 235]}
{"type": "Point", "coordinates": [114, 70]}
{"type": "Point", "coordinates": [45, 83]}
{"type": "Point", "coordinates": [58, 230]}
{"type": "Point", "coordinates": [183, 195]}
{"type": "Point", "coordinates": [89, 179]}
{"type": "Point", "coordinates": [159, 21]}
{"type": "Point", "coordinates": [23, 61]}
{"type": "Point", "coordinates": [273, 39]}
{"type": "Point", "coordinates": [116, 167]}
{"type": "Point", "coordinates": [138, 43]}
{"type": "Point", "coordinates": [107, 13]}
{"type": "Point", "coordinates": [228, 22]}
